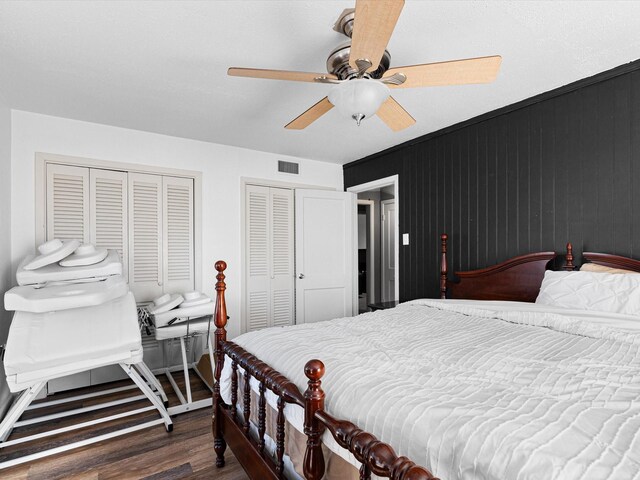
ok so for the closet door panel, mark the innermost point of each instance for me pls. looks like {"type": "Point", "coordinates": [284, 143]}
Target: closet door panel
{"type": "Point", "coordinates": [258, 289]}
{"type": "Point", "coordinates": [281, 242]}
{"type": "Point", "coordinates": [108, 202]}
{"type": "Point", "coordinates": [67, 213]}
{"type": "Point", "coordinates": [177, 228]}
{"type": "Point", "coordinates": [145, 234]}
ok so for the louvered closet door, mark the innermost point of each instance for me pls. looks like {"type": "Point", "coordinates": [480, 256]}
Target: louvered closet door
{"type": "Point", "coordinates": [269, 257]}
{"type": "Point", "coordinates": [258, 305]}
{"type": "Point", "coordinates": [282, 282]}
{"type": "Point", "coordinates": [145, 231]}
{"type": "Point", "coordinates": [178, 265]}
{"type": "Point", "coordinates": [67, 202]}
{"type": "Point", "coordinates": [108, 223]}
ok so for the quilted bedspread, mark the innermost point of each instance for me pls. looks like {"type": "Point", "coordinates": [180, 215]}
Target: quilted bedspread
{"type": "Point", "coordinates": [477, 390]}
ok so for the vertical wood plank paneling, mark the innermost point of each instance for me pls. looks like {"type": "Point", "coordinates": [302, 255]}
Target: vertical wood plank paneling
{"type": "Point", "coordinates": [547, 177]}
{"type": "Point", "coordinates": [430, 168]}
{"type": "Point", "coordinates": [492, 193]}
{"type": "Point", "coordinates": [440, 187]}
{"type": "Point", "coordinates": [523, 176]}
{"type": "Point", "coordinates": [483, 195]}
{"type": "Point", "coordinates": [606, 237]}
{"type": "Point", "coordinates": [634, 211]}
{"type": "Point", "coordinates": [416, 215]}
{"type": "Point", "coordinates": [447, 168]}
{"type": "Point", "coordinates": [424, 227]}
{"type": "Point", "coordinates": [562, 169]}
{"type": "Point", "coordinates": [589, 140]}
{"type": "Point", "coordinates": [462, 159]}
{"type": "Point", "coordinates": [406, 216]}
{"type": "Point", "coordinates": [535, 185]}
{"type": "Point", "coordinates": [472, 199]}
{"type": "Point", "coordinates": [561, 152]}
{"type": "Point", "coordinates": [454, 160]}
{"type": "Point", "coordinates": [512, 239]}
{"type": "Point", "coordinates": [621, 163]}
{"type": "Point", "coordinates": [573, 160]}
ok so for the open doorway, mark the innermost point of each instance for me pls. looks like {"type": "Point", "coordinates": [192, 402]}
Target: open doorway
{"type": "Point", "coordinates": [377, 265]}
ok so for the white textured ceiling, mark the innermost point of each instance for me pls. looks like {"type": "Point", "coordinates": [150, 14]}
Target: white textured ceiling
{"type": "Point", "coordinates": [161, 66]}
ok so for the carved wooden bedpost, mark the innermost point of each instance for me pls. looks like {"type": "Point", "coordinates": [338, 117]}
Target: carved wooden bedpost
{"type": "Point", "coordinates": [313, 401]}
{"type": "Point", "coordinates": [220, 319]}
{"type": "Point", "coordinates": [443, 265]}
{"type": "Point", "coordinates": [569, 259]}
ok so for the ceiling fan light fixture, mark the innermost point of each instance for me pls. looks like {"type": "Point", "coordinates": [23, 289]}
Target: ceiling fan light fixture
{"type": "Point", "coordinates": [359, 98]}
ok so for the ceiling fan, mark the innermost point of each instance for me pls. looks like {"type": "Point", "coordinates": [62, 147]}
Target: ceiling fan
{"type": "Point", "coordinates": [361, 74]}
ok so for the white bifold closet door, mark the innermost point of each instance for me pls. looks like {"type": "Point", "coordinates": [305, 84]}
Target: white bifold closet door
{"type": "Point", "coordinates": [145, 236]}
{"type": "Point", "coordinates": [89, 205]}
{"type": "Point", "coordinates": [161, 243]}
{"type": "Point", "coordinates": [67, 214]}
{"type": "Point", "coordinates": [269, 257]}
{"type": "Point", "coordinates": [177, 225]}
{"type": "Point", "coordinates": [108, 222]}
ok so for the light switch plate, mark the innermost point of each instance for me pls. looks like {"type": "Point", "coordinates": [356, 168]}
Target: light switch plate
{"type": "Point", "coordinates": [405, 239]}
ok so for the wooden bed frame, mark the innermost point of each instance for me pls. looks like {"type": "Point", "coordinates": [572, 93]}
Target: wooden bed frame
{"type": "Point", "coordinates": [517, 279]}
{"type": "Point", "coordinates": [612, 261]}
{"type": "Point", "coordinates": [230, 430]}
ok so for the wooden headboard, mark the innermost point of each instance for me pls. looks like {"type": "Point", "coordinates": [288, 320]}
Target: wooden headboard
{"type": "Point", "coordinates": [517, 279]}
{"type": "Point", "coordinates": [613, 261]}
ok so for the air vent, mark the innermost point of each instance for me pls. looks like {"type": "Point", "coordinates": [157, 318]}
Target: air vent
{"type": "Point", "coordinates": [288, 167]}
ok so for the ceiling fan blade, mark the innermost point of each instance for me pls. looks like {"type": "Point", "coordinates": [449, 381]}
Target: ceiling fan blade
{"type": "Point", "coordinates": [455, 72]}
{"type": "Point", "coordinates": [372, 28]}
{"type": "Point", "coordinates": [280, 74]}
{"type": "Point", "coordinates": [310, 116]}
{"type": "Point", "coordinates": [396, 117]}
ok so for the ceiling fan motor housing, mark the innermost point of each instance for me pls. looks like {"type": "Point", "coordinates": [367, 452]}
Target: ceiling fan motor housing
{"type": "Point", "coordinates": [344, 24]}
{"type": "Point", "coordinates": [338, 64]}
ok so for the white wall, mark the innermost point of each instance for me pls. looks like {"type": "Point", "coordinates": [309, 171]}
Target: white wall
{"type": "Point", "coordinates": [5, 236]}
{"type": "Point", "coordinates": [222, 168]}
{"type": "Point", "coordinates": [5, 213]}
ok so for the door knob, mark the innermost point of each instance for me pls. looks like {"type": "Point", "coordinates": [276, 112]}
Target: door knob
{"type": "Point", "coordinates": [301, 276]}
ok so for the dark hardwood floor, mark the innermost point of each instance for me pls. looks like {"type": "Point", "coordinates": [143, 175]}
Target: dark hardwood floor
{"type": "Point", "coordinates": [187, 452]}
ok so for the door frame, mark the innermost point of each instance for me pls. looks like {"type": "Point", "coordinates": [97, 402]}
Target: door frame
{"type": "Point", "coordinates": [382, 245]}
{"type": "Point", "coordinates": [263, 182]}
{"type": "Point", "coordinates": [371, 273]}
{"type": "Point", "coordinates": [385, 182]}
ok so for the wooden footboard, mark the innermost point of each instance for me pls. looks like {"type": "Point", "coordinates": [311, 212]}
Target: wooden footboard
{"type": "Point", "coordinates": [234, 429]}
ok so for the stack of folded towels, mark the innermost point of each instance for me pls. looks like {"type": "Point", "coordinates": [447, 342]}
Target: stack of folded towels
{"type": "Point", "coordinates": [173, 308]}
{"type": "Point", "coordinates": [64, 275]}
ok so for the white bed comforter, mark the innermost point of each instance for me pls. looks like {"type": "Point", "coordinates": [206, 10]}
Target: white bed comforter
{"type": "Point", "coordinates": [477, 390]}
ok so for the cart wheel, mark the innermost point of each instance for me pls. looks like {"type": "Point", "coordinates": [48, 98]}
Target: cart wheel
{"type": "Point", "coordinates": [169, 428]}
{"type": "Point", "coordinates": [166, 404]}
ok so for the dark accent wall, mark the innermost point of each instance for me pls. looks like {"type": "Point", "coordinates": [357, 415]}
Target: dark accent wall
{"type": "Point", "coordinates": [561, 166]}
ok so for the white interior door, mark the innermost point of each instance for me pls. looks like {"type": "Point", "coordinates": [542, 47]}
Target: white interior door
{"type": "Point", "coordinates": [326, 241]}
{"type": "Point", "coordinates": [388, 250]}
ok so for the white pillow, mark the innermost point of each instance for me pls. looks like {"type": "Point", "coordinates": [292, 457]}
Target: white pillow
{"type": "Point", "coordinates": [604, 292]}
